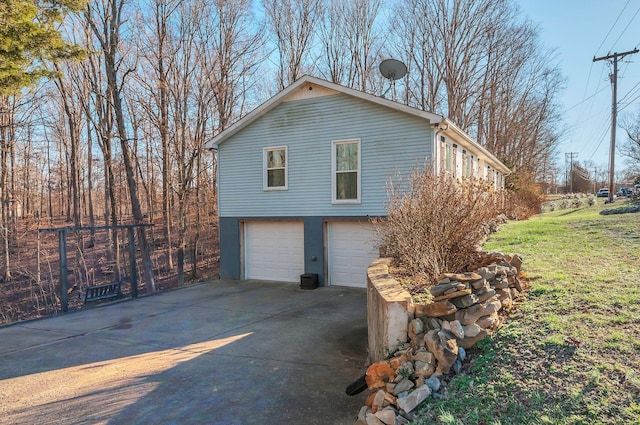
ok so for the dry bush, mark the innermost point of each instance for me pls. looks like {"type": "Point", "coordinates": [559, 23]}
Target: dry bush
{"type": "Point", "coordinates": [435, 223]}
{"type": "Point", "coordinates": [523, 203]}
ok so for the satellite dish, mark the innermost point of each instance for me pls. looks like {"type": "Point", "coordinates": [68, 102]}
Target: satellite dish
{"type": "Point", "coordinates": [392, 69]}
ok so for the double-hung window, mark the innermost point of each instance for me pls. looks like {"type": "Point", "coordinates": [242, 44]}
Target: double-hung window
{"type": "Point", "coordinates": [448, 158]}
{"type": "Point", "coordinates": [275, 173]}
{"type": "Point", "coordinates": [345, 171]}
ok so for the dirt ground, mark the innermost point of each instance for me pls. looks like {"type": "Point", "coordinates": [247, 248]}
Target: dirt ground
{"type": "Point", "coordinates": [34, 288]}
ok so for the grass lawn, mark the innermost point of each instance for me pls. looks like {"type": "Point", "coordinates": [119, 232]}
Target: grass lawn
{"type": "Point", "coordinates": [570, 352]}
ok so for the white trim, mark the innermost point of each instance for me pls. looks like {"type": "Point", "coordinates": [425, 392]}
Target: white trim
{"type": "Point", "coordinates": [439, 122]}
{"type": "Point", "coordinates": [265, 179]}
{"type": "Point", "coordinates": [334, 198]}
{"type": "Point", "coordinates": [305, 79]}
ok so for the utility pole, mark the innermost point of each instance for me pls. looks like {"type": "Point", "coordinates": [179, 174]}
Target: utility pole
{"type": "Point", "coordinates": [614, 110]}
{"type": "Point", "coordinates": [571, 155]}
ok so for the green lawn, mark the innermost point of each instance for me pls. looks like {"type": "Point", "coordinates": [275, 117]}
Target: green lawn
{"type": "Point", "coordinates": [570, 352]}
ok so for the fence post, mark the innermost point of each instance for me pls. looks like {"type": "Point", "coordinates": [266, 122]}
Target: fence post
{"type": "Point", "coordinates": [64, 285]}
{"type": "Point", "coordinates": [134, 270]}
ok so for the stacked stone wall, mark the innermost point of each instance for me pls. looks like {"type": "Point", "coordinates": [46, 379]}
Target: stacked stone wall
{"type": "Point", "coordinates": [465, 309]}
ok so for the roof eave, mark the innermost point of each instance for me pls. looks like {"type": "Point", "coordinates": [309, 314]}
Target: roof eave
{"type": "Point", "coordinates": [495, 162]}
{"type": "Point", "coordinates": [277, 99]}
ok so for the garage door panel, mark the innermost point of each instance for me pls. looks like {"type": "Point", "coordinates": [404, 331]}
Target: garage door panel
{"type": "Point", "coordinates": [351, 249]}
{"type": "Point", "coordinates": [274, 251]}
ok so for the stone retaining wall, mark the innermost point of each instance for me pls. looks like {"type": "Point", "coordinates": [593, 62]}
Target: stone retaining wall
{"type": "Point", "coordinates": [435, 337]}
{"type": "Point", "coordinates": [389, 309]}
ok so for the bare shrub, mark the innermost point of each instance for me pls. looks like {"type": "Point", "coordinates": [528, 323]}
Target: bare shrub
{"type": "Point", "coordinates": [435, 223]}
{"type": "Point", "coordinates": [523, 203]}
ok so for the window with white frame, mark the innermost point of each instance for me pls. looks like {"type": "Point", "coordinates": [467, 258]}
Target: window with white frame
{"type": "Point", "coordinates": [345, 171]}
{"type": "Point", "coordinates": [448, 158]}
{"type": "Point", "coordinates": [275, 172]}
{"type": "Point", "coordinates": [454, 159]}
{"type": "Point", "coordinates": [465, 161]}
{"type": "Point", "coordinates": [442, 153]}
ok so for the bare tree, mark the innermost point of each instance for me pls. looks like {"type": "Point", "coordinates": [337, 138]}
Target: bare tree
{"type": "Point", "coordinates": [631, 148]}
{"type": "Point", "coordinates": [350, 42]}
{"type": "Point", "coordinates": [158, 51]}
{"type": "Point", "coordinates": [477, 63]}
{"type": "Point", "coordinates": [7, 141]}
{"type": "Point", "coordinates": [106, 20]}
{"type": "Point", "coordinates": [293, 23]}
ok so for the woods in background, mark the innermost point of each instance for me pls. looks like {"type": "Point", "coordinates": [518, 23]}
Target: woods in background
{"type": "Point", "coordinates": [116, 131]}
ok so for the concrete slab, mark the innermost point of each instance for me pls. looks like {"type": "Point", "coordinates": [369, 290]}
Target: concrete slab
{"type": "Point", "coordinates": [103, 317]}
{"type": "Point", "coordinates": [224, 352]}
{"type": "Point", "coordinates": [16, 338]}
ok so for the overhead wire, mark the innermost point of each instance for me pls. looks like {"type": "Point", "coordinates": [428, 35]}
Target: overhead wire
{"type": "Point", "coordinates": [627, 27]}
{"type": "Point", "coordinates": [606, 129]}
{"type": "Point", "coordinates": [612, 26]}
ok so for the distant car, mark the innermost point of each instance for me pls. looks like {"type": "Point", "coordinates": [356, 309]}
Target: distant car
{"type": "Point", "coordinates": [603, 193]}
{"type": "Point", "coordinates": [624, 191]}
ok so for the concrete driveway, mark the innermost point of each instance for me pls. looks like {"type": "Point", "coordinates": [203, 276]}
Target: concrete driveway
{"type": "Point", "coordinates": [224, 352]}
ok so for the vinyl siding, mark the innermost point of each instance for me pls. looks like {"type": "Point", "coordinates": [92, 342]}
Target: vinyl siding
{"type": "Point", "coordinates": [391, 142]}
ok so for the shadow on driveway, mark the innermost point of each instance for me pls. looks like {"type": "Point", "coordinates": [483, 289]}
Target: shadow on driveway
{"type": "Point", "coordinates": [224, 352]}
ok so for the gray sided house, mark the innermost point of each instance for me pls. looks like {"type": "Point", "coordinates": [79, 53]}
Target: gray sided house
{"type": "Point", "coordinates": [300, 176]}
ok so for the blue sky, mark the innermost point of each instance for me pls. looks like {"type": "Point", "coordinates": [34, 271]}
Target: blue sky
{"type": "Point", "coordinates": [578, 30]}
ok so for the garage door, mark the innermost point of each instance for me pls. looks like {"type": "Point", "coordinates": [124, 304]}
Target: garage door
{"type": "Point", "coordinates": [350, 250]}
{"type": "Point", "coordinates": [274, 250]}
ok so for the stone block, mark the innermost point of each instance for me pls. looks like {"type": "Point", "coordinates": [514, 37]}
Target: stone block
{"type": "Point", "coordinates": [469, 315]}
{"type": "Point", "coordinates": [387, 416]}
{"type": "Point", "coordinates": [480, 283]}
{"type": "Point", "coordinates": [373, 420]}
{"type": "Point", "coordinates": [435, 309]}
{"type": "Point", "coordinates": [415, 327]}
{"type": "Point", "coordinates": [490, 321]}
{"type": "Point", "coordinates": [504, 295]}
{"type": "Point", "coordinates": [378, 374]}
{"type": "Point", "coordinates": [423, 356]}
{"type": "Point", "coordinates": [454, 327]}
{"type": "Point", "coordinates": [456, 294]}
{"type": "Point", "coordinates": [440, 289]}
{"type": "Point", "coordinates": [414, 399]}
{"type": "Point", "coordinates": [405, 385]}
{"type": "Point", "coordinates": [444, 347]}
{"type": "Point", "coordinates": [516, 261]}
{"type": "Point", "coordinates": [487, 295]}
{"type": "Point", "coordinates": [501, 283]}
{"type": "Point", "coordinates": [378, 400]}
{"type": "Point", "coordinates": [424, 370]}
{"type": "Point", "coordinates": [517, 284]}
{"type": "Point", "coordinates": [463, 277]}
{"type": "Point", "coordinates": [472, 330]}
{"type": "Point", "coordinates": [468, 342]}
{"type": "Point", "coordinates": [362, 415]}
{"type": "Point", "coordinates": [465, 301]}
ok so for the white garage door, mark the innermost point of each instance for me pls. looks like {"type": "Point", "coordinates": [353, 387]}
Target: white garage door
{"type": "Point", "coordinates": [274, 250]}
{"type": "Point", "coordinates": [350, 250]}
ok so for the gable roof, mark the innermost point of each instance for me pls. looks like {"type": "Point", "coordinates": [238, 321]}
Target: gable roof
{"type": "Point", "coordinates": [447, 127]}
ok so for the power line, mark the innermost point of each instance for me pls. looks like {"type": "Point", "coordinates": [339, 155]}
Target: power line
{"type": "Point", "coordinates": [585, 99]}
{"type": "Point", "coordinates": [604, 132]}
{"type": "Point", "coordinates": [627, 27]}
{"type": "Point", "coordinates": [612, 26]}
